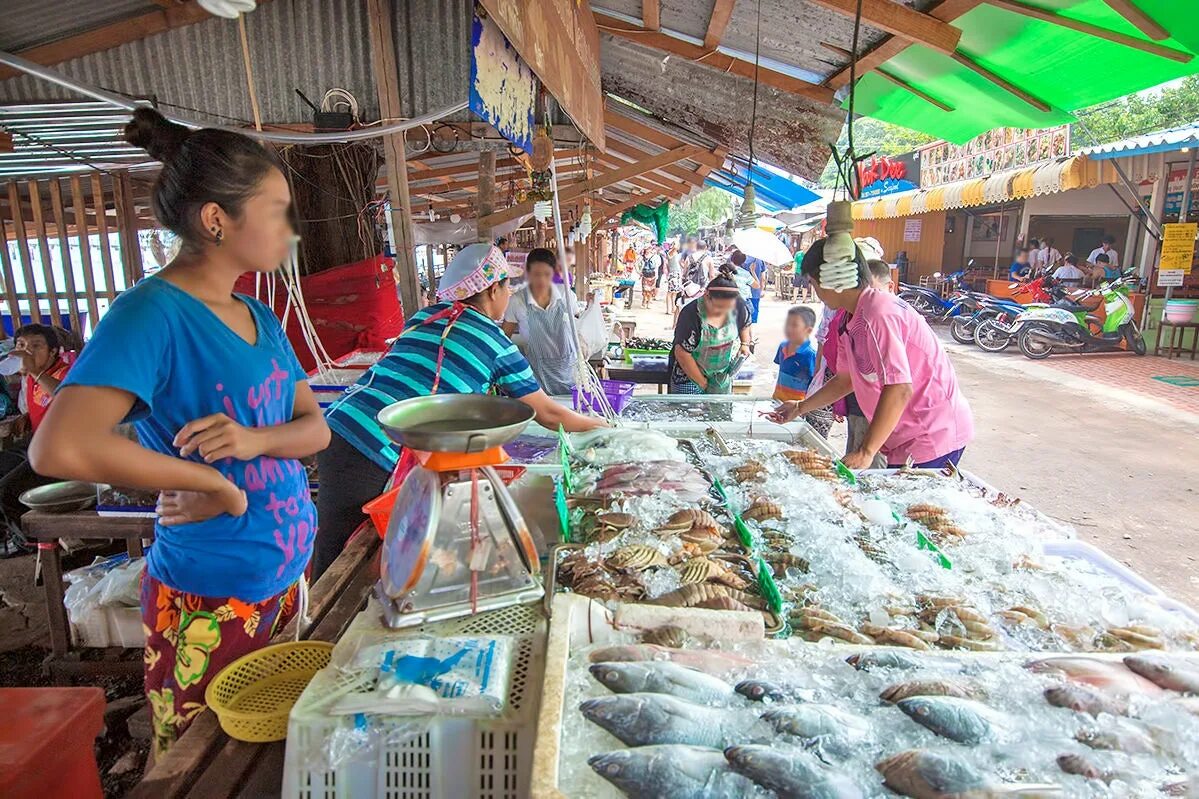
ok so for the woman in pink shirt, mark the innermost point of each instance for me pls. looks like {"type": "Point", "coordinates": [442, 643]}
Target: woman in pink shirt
{"type": "Point", "coordinates": [899, 372]}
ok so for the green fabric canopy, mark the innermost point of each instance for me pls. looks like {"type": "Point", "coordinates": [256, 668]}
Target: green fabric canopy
{"type": "Point", "coordinates": [656, 218]}
{"type": "Point", "coordinates": [1065, 68]}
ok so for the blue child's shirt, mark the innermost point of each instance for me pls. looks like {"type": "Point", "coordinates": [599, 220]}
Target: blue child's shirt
{"type": "Point", "coordinates": [795, 371]}
{"type": "Point", "coordinates": [181, 362]}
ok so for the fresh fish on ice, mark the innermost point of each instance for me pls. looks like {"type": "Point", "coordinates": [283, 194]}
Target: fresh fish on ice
{"type": "Point", "coordinates": [662, 678]}
{"type": "Point", "coordinates": [1171, 673]}
{"type": "Point", "coordinates": [963, 720]}
{"type": "Point", "coordinates": [1085, 699]}
{"type": "Point", "coordinates": [792, 774]}
{"type": "Point", "coordinates": [671, 770]}
{"type": "Point", "coordinates": [1107, 675]}
{"type": "Point", "coordinates": [767, 691]}
{"type": "Point", "coordinates": [816, 721]}
{"type": "Point", "coordinates": [881, 659]}
{"type": "Point", "coordinates": [922, 774]}
{"type": "Point", "coordinates": [710, 661]}
{"type": "Point", "coordinates": [647, 719]}
{"type": "Point", "coordinates": [903, 690]}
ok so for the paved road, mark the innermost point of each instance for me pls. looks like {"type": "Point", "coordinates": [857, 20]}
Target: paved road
{"type": "Point", "coordinates": [1118, 464]}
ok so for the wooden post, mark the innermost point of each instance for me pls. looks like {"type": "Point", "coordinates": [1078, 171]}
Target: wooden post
{"type": "Point", "coordinates": [429, 272]}
{"type": "Point", "coordinates": [582, 267]}
{"type": "Point", "coordinates": [380, 14]}
{"type": "Point", "coordinates": [131, 250]}
{"type": "Point", "coordinates": [43, 244]}
{"type": "Point", "coordinates": [85, 249]}
{"type": "Point", "coordinates": [64, 247]}
{"type": "Point", "coordinates": [486, 193]}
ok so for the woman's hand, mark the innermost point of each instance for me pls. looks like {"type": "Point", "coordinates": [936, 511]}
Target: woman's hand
{"type": "Point", "coordinates": [187, 507]}
{"type": "Point", "coordinates": [785, 412]}
{"type": "Point", "coordinates": [745, 351]}
{"type": "Point", "coordinates": [858, 459]}
{"type": "Point", "coordinates": [216, 437]}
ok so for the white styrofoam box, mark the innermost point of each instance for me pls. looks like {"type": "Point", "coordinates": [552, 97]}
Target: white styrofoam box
{"type": "Point", "coordinates": [454, 757]}
{"type": "Point", "coordinates": [1080, 550]}
{"type": "Point", "coordinates": [110, 626]}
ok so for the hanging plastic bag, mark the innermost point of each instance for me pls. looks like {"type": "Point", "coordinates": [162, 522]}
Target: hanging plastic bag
{"type": "Point", "coordinates": [121, 587]}
{"type": "Point", "coordinates": [592, 334]}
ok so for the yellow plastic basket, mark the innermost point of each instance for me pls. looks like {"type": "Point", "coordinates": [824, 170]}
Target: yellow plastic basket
{"type": "Point", "coordinates": [253, 695]}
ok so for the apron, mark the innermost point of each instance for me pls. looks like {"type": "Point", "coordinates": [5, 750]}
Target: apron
{"type": "Point", "coordinates": [548, 344]}
{"type": "Point", "coordinates": [712, 354]}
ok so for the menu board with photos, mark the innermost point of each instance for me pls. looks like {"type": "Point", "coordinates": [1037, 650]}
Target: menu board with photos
{"type": "Point", "coordinates": [994, 151]}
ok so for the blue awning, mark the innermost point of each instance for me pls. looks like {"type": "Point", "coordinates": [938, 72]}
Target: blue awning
{"type": "Point", "coordinates": [1163, 141]}
{"type": "Point", "coordinates": [774, 190]}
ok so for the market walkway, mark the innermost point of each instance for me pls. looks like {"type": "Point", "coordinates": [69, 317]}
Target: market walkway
{"type": "Point", "coordinates": [1094, 441]}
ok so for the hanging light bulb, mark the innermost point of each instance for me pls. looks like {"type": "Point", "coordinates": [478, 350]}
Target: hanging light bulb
{"type": "Point", "coordinates": [543, 210]}
{"type": "Point", "coordinates": [747, 217]}
{"type": "Point", "coordinates": [840, 268]}
{"type": "Point", "coordinates": [229, 9]}
{"type": "Point", "coordinates": [455, 218]}
{"type": "Point", "coordinates": [585, 223]}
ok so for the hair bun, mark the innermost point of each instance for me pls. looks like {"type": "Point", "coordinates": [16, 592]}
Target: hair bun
{"type": "Point", "coordinates": [155, 134]}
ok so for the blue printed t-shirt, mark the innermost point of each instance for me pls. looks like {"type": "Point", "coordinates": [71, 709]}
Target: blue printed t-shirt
{"type": "Point", "coordinates": [795, 371]}
{"type": "Point", "coordinates": [478, 357]}
{"type": "Point", "coordinates": [182, 363]}
{"type": "Point", "coordinates": [756, 267]}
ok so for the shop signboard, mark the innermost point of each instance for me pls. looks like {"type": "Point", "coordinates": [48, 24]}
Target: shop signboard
{"type": "Point", "coordinates": [1176, 187]}
{"type": "Point", "coordinates": [994, 151]}
{"type": "Point", "coordinates": [559, 40]}
{"type": "Point", "coordinates": [912, 229]}
{"type": "Point", "coordinates": [503, 90]}
{"type": "Point", "coordinates": [1171, 278]}
{"type": "Point", "coordinates": [887, 174]}
{"type": "Point", "coordinates": [1178, 248]}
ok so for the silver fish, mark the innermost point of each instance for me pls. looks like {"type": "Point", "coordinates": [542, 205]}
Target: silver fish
{"type": "Point", "coordinates": [1169, 673]}
{"type": "Point", "coordinates": [816, 722]}
{"type": "Point", "coordinates": [1084, 699]}
{"type": "Point", "coordinates": [881, 659]}
{"type": "Point", "coordinates": [791, 774]}
{"type": "Point", "coordinates": [922, 774]}
{"type": "Point", "coordinates": [766, 691]}
{"type": "Point", "coordinates": [681, 772]}
{"type": "Point", "coordinates": [646, 719]}
{"type": "Point", "coordinates": [663, 678]}
{"type": "Point", "coordinates": [962, 720]}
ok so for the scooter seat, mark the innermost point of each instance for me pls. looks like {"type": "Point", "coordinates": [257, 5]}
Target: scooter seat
{"type": "Point", "coordinates": [1071, 306]}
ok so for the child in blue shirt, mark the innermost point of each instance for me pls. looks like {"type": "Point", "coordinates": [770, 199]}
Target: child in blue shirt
{"type": "Point", "coordinates": [796, 357]}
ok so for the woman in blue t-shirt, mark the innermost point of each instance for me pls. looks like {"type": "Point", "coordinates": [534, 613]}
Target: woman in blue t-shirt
{"type": "Point", "coordinates": [222, 412]}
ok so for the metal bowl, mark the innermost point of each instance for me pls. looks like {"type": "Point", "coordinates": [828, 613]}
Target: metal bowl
{"type": "Point", "coordinates": [60, 497]}
{"type": "Point", "coordinates": [455, 422]}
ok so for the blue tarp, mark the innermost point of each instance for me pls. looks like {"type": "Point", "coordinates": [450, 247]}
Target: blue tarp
{"type": "Point", "coordinates": [774, 191]}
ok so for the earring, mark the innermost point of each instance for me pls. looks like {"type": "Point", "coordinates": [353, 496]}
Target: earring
{"type": "Point", "coordinates": [220, 235]}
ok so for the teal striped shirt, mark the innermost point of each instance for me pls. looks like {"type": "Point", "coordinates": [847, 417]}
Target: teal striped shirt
{"type": "Point", "coordinates": [478, 358]}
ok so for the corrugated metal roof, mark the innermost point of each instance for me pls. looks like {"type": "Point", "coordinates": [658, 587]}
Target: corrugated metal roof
{"type": "Point", "coordinates": [1162, 141]}
{"type": "Point", "coordinates": [312, 45]}
{"type": "Point", "coordinates": [29, 23]}
{"type": "Point", "coordinates": [65, 137]}
{"type": "Point", "coordinates": [792, 131]}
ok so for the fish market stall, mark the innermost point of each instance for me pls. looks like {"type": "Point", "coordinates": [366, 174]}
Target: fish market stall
{"type": "Point", "coordinates": [713, 714]}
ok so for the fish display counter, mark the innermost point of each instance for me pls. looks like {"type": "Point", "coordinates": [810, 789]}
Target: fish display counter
{"type": "Point", "coordinates": [714, 715]}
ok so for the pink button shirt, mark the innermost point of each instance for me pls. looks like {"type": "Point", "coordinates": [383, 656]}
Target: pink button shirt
{"type": "Point", "coordinates": [886, 342]}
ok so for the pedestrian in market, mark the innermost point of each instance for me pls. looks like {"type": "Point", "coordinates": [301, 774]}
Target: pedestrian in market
{"type": "Point", "coordinates": [452, 347]}
{"type": "Point", "coordinates": [898, 371]}
{"type": "Point", "coordinates": [222, 410]}
{"type": "Point", "coordinates": [537, 319]}
{"type": "Point", "coordinates": [651, 266]}
{"type": "Point", "coordinates": [674, 279]}
{"type": "Point", "coordinates": [712, 331]}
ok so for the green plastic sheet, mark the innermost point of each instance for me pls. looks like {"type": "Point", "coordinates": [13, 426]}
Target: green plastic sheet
{"type": "Point", "coordinates": [656, 218]}
{"type": "Point", "coordinates": [1067, 69]}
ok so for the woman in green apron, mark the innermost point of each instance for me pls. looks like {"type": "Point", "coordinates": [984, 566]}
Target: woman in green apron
{"type": "Point", "coordinates": [536, 319]}
{"type": "Point", "coordinates": [712, 331]}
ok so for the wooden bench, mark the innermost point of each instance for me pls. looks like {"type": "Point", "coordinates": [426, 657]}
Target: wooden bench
{"type": "Point", "coordinates": [1177, 343]}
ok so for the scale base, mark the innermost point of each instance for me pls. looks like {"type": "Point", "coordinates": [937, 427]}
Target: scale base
{"type": "Point", "coordinates": [395, 617]}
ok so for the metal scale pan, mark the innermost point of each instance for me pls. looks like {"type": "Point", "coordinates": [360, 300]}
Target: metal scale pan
{"type": "Point", "coordinates": [425, 572]}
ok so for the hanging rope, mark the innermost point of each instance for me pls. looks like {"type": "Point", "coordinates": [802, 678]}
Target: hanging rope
{"type": "Point", "coordinates": [753, 116]}
{"type": "Point", "coordinates": [245, 56]}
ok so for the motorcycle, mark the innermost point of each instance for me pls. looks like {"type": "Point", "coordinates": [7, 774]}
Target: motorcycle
{"type": "Point", "coordinates": [1068, 326]}
{"type": "Point", "coordinates": [991, 331]}
{"type": "Point", "coordinates": [929, 303]}
{"type": "Point", "coordinates": [982, 307]}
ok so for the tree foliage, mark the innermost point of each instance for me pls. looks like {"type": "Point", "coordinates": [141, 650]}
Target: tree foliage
{"type": "Point", "coordinates": [709, 207]}
{"type": "Point", "coordinates": [873, 136]}
{"type": "Point", "coordinates": [1169, 106]}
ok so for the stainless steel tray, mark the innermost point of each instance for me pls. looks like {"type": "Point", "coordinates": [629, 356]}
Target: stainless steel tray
{"type": "Point", "coordinates": [455, 422]}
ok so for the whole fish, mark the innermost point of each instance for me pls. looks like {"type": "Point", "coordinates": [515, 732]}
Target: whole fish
{"type": "Point", "coordinates": [962, 720]}
{"type": "Point", "coordinates": [709, 661]}
{"type": "Point", "coordinates": [766, 691]}
{"type": "Point", "coordinates": [881, 659]}
{"type": "Point", "coordinates": [903, 690]}
{"type": "Point", "coordinates": [922, 774]}
{"type": "Point", "coordinates": [1107, 675]}
{"type": "Point", "coordinates": [681, 772]}
{"type": "Point", "coordinates": [1171, 673]}
{"type": "Point", "coordinates": [791, 774]}
{"type": "Point", "coordinates": [816, 720]}
{"type": "Point", "coordinates": [647, 719]}
{"type": "Point", "coordinates": [1084, 699]}
{"type": "Point", "coordinates": [662, 678]}
{"type": "Point", "coordinates": [1118, 735]}
{"type": "Point", "coordinates": [1089, 768]}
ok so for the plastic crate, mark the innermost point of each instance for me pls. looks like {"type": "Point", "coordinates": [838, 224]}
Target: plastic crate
{"type": "Point", "coordinates": [618, 392]}
{"type": "Point", "coordinates": [110, 626]}
{"type": "Point", "coordinates": [455, 757]}
{"type": "Point", "coordinates": [629, 352]}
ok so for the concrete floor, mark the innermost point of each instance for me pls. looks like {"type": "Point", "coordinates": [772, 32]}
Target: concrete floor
{"type": "Point", "coordinates": [1116, 465]}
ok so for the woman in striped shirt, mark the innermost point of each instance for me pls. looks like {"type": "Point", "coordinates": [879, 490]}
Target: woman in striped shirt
{"type": "Point", "coordinates": [477, 358]}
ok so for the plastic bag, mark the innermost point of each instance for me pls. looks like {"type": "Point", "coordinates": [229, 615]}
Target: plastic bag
{"type": "Point", "coordinates": [84, 594]}
{"type": "Point", "coordinates": [121, 587]}
{"type": "Point", "coordinates": [592, 334]}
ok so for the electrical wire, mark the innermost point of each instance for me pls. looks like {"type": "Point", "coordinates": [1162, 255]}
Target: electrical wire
{"type": "Point", "coordinates": [753, 117]}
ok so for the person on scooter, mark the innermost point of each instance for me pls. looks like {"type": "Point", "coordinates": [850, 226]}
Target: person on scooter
{"type": "Point", "coordinates": [898, 370]}
{"type": "Point", "coordinates": [1068, 274]}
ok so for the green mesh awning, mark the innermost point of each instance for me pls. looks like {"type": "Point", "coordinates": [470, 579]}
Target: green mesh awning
{"type": "Point", "coordinates": [1065, 68]}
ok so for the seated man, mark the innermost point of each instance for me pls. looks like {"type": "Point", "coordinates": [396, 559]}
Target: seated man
{"type": "Point", "coordinates": [1068, 274]}
{"type": "Point", "coordinates": [1020, 269]}
{"type": "Point", "coordinates": [43, 367]}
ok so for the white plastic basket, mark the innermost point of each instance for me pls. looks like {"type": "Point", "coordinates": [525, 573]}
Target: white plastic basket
{"type": "Point", "coordinates": [455, 757]}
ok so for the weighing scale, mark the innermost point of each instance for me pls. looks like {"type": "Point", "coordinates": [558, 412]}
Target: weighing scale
{"type": "Point", "coordinates": [456, 543]}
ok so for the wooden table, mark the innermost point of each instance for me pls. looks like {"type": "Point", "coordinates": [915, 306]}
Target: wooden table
{"type": "Point", "coordinates": [207, 764]}
{"type": "Point", "coordinates": [47, 529]}
{"type": "Point", "coordinates": [660, 377]}
{"type": "Point", "coordinates": [1177, 344]}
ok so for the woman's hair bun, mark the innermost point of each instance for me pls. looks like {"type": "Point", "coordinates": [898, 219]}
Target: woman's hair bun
{"type": "Point", "coordinates": [155, 134]}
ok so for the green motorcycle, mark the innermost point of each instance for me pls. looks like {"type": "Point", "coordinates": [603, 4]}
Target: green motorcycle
{"type": "Point", "coordinates": [1068, 326]}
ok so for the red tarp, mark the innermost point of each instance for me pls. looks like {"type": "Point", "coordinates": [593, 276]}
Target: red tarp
{"type": "Point", "coordinates": [352, 307]}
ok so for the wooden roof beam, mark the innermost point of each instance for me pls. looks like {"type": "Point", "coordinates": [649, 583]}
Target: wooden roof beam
{"type": "Point", "coordinates": [899, 20]}
{"type": "Point", "coordinates": [1012, 89]}
{"type": "Point", "coordinates": [1141, 20]}
{"type": "Point", "coordinates": [718, 21]}
{"type": "Point", "coordinates": [600, 181]}
{"type": "Point", "coordinates": [716, 60]}
{"type": "Point", "coordinates": [655, 179]}
{"type": "Point", "coordinates": [651, 14]}
{"type": "Point", "coordinates": [1045, 15]}
{"type": "Point", "coordinates": [903, 84]}
{"type": "Point", "coordinates": [633, 127]}
{"type": "Point", "coordinates": [634, 153]}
